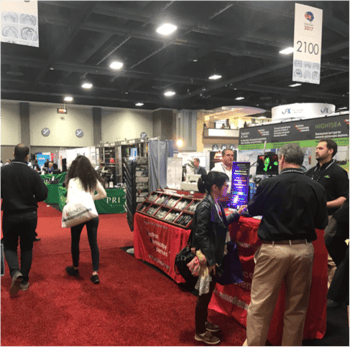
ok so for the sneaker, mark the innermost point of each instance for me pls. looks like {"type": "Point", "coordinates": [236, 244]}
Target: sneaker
{"type": "Point", "coordinates": [16, 282]}
{"type": "Point", "coordinates": [37, 239]}
{"type": "Point", "coordinates": [207, 338]}
{"type": "Point", "coordinates": [94, 279]}
{"type": "Point", "coordinates": [24, 286]}
{"type": "Point", "coordinates": [71, 271]}
{"type": "Point", "coordinates": [212, 327]}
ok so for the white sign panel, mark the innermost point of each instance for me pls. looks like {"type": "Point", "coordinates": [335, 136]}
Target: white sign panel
{"type": "Point", "coordinates": [174, 173]}
{"type": "Point", "coordinates": [19, 23]}
{"type": "Point", "coordinates": [307, 44]}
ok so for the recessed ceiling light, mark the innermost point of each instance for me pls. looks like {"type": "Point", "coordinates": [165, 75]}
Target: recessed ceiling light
{"type": "Point", "coordinates": [215, 77]}
{"type": "Point", "coordinates": [51, 68]}
{"type": "Point", "coordinates": [342, 108]}
{"type": "Point", "coordinates": [139, 104]}
{"type": "Point", "coordinates": [116, 65]}
{"type": "Point", "coordinates": [166, 29]}
{"type": "Point", "coordinates": [234, 88]}
{"type": "Point", "coordinates": [86, 85]}
{"type": "Point", "coordinates": [195, 60]}
{"type": "Point", "coordinates": [126, 93]}
{"type": "Point", "coordinates": [68, 98]}
{"type": "Point", "coordinates": [240, 98]}
{"type": "Point", "coordinates": [288, 50]}
{"type": "Point", "coordinates": [295, 85]}
{"type": "Point", "coordinates": [169, 93]}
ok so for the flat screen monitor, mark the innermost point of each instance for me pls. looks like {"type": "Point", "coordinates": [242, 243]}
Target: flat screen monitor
{"type": "Point", "coordinates": [267, 164]}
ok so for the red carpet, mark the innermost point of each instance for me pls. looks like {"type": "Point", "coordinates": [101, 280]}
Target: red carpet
{"type": "Point", "coordinates": [134, 305]}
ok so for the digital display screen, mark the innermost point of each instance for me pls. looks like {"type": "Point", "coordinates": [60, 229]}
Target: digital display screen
{"type": "Point", "coordinates": [240, 184]}
{"type": "Point", "coordinates": [267, 165]}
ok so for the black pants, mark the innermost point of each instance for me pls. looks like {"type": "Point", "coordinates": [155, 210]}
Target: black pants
{"type": "Point", "coordinates": [19, 225]}
{"type": "Point", "coordinates": [201, 315]}
{"type": "Point", "coordinates": [91, 227]}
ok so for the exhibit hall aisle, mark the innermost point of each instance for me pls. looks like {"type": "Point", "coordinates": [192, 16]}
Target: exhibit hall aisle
{"type": "Point", "coordinates": [134, 305]}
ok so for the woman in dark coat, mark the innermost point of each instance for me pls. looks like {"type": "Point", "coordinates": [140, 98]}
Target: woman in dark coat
{"type": "Point", "coordinates": [210, 237]}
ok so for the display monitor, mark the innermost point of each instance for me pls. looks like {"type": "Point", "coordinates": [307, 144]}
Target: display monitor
{"type": "Point", "coordinates": [240, 185]}
{"type": "Point", "coordinates": [267, 164]}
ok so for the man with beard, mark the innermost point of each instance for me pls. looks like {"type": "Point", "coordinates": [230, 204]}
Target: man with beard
{"type": "Point", "coordinates": [335, 181]}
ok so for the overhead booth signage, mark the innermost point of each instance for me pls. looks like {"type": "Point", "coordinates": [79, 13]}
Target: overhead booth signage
{"type": "Point", "coordinates": [307, 44]}
{"type": "Point", "coordinates": [336, 128]}
{"type": "Point", "coordinates": [19, 22]}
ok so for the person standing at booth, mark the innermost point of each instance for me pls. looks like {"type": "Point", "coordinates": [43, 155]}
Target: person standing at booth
{"type": "Point", "coordinates": [211, 238]}
{"type": "Point", "coordinates": [292, 206]}
{"type": "Point", "coordinates": [82, 176]}
{"type": "Point", "coordinates": [198, 170]}
{"type": "Point", "coordinates": [336, 183]}
{"type": "Point", "coordinates": [21, 189]}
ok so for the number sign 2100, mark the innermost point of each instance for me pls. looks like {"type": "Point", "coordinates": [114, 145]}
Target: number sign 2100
{"type": "Point", "coordinates": [308, 48]}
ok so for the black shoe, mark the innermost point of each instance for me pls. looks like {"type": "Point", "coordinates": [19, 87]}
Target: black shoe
{"type": "Point", "coordinates": [37, 239]}
{"type": "Point", "coordinates": [331, 304]}
{"type": "Point", "coordinates": [71, 271]}
{"type": "Point", "coordinates": [94, 279]}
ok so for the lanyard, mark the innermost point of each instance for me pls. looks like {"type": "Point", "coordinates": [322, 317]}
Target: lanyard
{"type": "Point", "coordinates": [329, 165]}
{"type": "Point", "coordinates": [218, 209]}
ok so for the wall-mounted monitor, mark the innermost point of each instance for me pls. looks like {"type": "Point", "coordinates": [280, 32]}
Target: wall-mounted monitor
{"type": "Point", "coordinates": [267, 164]}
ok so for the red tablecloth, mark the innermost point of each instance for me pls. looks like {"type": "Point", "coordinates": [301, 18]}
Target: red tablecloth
{"type": "Point", "coordinates": [233, 300]}
{"type": "Point", "coordinates": [158, 243]}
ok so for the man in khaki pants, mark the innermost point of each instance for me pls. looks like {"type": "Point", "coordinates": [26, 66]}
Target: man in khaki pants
{"type": "Point", "coordinates": [292, 206]}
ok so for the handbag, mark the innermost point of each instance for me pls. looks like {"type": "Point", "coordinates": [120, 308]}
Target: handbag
{"type": "Point", "coordinates": [181, 261]}
{"type": "Point", "coordinates": [80, 208]}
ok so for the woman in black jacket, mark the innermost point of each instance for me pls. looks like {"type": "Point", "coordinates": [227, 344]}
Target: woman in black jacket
{"type": "Point", "coordinates": [210, 236]}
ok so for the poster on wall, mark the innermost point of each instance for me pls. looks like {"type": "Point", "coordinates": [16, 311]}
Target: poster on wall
{"type": "Point", "coordinates": [19, 23]}
{"type": "Point", "coordinates": [307, 44]}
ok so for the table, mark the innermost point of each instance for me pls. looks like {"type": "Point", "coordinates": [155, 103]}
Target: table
{"type": "Point", "coordinates": [233, 300]}
{"type": "Point", "coordinates": [158, 243]}
{"type": "Point", "coordinates": [113, 203]}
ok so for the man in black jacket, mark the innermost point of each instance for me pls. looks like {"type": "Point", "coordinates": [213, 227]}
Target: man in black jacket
{"type": "Point", "coordinates": [21, 189]}
{"type": "Point", "coordinates": [292, 206]}
{"type": "Point", "coordinates": [198, 170]}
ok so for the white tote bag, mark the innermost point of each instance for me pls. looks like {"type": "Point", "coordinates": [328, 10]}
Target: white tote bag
{"type": "Point", "coordinates": [80, 207]}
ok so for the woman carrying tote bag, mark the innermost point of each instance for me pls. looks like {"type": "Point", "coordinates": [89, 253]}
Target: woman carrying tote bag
{"type": "Point", "coordinates": [211, 242]}
{"type": "Point", "coordinates": [82, 179]}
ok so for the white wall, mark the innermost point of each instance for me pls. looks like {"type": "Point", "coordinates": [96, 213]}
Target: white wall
{"type": "Point", "coordinates": [10, 124]}
{"type": "Point", "coordinates": [62, 126]}
{"type": "Point", "coordinates": [118, 124]}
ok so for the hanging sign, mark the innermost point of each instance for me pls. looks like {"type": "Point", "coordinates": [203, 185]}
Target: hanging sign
{"type": "Point", "coordinates": [19, 23]}
{"type": "Point", "coordinates": [307, 44]}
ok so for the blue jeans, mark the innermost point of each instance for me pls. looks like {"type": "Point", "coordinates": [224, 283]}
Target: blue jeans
{"type": "Point", "coordinates": [91, 227]}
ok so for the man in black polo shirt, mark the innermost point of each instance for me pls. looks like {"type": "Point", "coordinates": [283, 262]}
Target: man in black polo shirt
{"type": "Point", "coordinates": [292, 206]}
{"type": "Point", "coordinates": [336, 183]}
{"type": "Point", "coordinates": [21, 188]}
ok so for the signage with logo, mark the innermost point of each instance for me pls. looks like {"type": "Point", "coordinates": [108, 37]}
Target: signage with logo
{"type": "Point", "coordinates": [240, 184]}
{"type": "Point", "coordinates": [62, 110]}
{"type": "Point", "coordinates": [307, 44]}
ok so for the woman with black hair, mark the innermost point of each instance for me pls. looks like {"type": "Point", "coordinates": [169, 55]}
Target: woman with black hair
{"type": "Point", "coordinates": [82, 176]}
{"type": "Point", "coordinates": [211, 237]}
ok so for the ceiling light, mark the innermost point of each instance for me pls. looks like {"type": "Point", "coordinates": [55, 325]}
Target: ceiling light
{"type": "Point", "coordinates": [166, 29]}
{"type": "Point", "coordinates": [295, 85]}
{"type": "Point", "coordinates": [51, 68]}
{"type": "Point", "coordinates": [139, 104]}
{"type": "Point", "coordinates": [116, 65]}
{"type": "Point", "coordinates": [179, 143]}
{"type": "Point", "coordinates": [234, 88]}
{"type": "Point", "coordinates": [342, 108]}
{"type": "Point", "coordinates": [288, 50]}
{"type": "Point", "coordinates": [68, 98]}
{"type": "Point", "coordinates": [215, 77]}
{"type": "Point", "coordinates": [169, 93]}
{"type": "Point", "coordinates": [86, 85]}
{"type": "Point", "coordinates": [240, 98]}
{"type": "Point", "coordinates": [195, 60]}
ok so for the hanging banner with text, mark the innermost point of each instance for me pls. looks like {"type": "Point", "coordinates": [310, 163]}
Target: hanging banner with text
{"type": "Point", "coordinates": [335, 127]}
{"type": "Point", "coordinates": [19, 23]}
{"type": "Point", "coordinates": [307, 44]}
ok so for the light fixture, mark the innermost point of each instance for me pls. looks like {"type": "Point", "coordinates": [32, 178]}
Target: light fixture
{"type": "Point", "coordinates": [295, 85]}
{"type": "Point", "coordinates": [179, 143]}
{"type": "Point", "coordinates": [215, 77]}
{"type": "Point", "coordinates": [51, 68]}
{"type": "Point", "coordinates": [342, 108]}
{"type": "Point", "coordinates": [195, 60]}
{"type": "Point", "coordinates": [116, 65]}
{"type": "Point", "coordinates": [139, 104]}
{"type": "Point", "coordinates": [68, 98]}
{"type": "Point", "coordinates": [288, 50]}
{"type": "Point", "coordinates": [262, 117]}
{"type": "Point", "coordinates": [240, 98]}
{"type": "Point", "coordinates": [166, 29]}
{"type": "Point", "coordinates": [169, 93]}
{"type": "Point", "coordinates": [234, 88]}
{"type": "Point", "coordinates": [86, 85]}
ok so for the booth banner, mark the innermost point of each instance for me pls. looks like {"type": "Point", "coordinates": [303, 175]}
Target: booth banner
{"type": "Point", "coordinates": [113, 203]}
{"type": "Point", "coordinates": [233, 300]}
{"type": "Point", "coordinates": [158, 243]}
{"type": "Point", "coordinates": [50, 177]}
{"type": "Point", "coordinates": [335, 127]}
